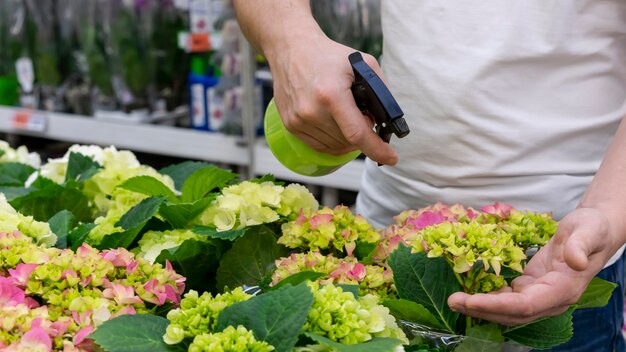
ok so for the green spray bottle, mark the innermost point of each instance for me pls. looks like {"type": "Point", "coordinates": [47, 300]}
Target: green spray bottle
{"type": "Point", "coordinates": [371, 96]}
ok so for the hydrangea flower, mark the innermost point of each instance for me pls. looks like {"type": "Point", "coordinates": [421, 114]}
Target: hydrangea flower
{"type": "Point", "coordinates": [153, 242]}
{"type": "Point", "coordinates": [339, 316]}
{"type": "Point", "coordinates": [19, 155]}
{"type": "Point", "coordinates": [117, 167]}
{"type": "Point", "coordinates": [197, 315]}
{"type": "Point", "coordinates": [497, 236]}
{"type": "Point", "coordinates": [251, 203]}
{"type": "Point", "coordinates": [370, 278]}
{"type": "Point", "coordinates": [329, 230]}
{"type": "Point", "coordinates": [11, 220]}
{"type": "Point", "coordinates": [232, 339]}
{"type": "Point", "coordinates": [63, 295]}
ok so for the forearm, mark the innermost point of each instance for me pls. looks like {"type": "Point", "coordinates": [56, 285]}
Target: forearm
{"type": "Point", "coordinates": [607, 192]}
{"type": "Point", "coordinates": [272, 26]}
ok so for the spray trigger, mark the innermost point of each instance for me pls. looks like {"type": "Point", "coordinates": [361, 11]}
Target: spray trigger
{"type": "Point", "coordinates": [374, 99]}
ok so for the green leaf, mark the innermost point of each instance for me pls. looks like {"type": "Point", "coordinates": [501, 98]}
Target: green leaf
{"type": "Point", "coordinates": [180, 172]}
{"type": "Point", "coordinates": [544, 333]}
{"type": "Point", "coordinates": [197, 261]}
{"type": "Point", "coordinates": [14, 174]}
{"type": "Point", "coordinates": [597, 294]}
{"type": "Point", "coordinates": [276, 317]}
{"type": "Point", "coordinates": [13, 192]}
{"type": "Point", "coordinates": [133, 332]}
{"type": "Point", "coordinates": [43, 203]}
{"type": "Point", "coordinates": [364, 252]}
{"type": "Point", "coordinates": [412, 312]}
{"type": "Point", "coordinates": [62, 224]}
{"type": "Point", "coordinates": [203, 181]}
{"type": "Point", "coordinates": [426, 281]}
{"type": "Point", "coordinates": [150, 186]}
{"type": "Point", "coordinates": [298, 278]}
{"type": "Point", "coordinates": [354, 289]}
{"type": "Point", "coordinates": [80, 167]}
{"type": "Point", "coordinates": [140, 213]}
{"type": "Point", "coordinates": [482, 338]}
{"type": "Point", "coordinates": [132, 223]}
{"type": "Point", "coordinates": [266, 178]}
{"type": "Point", "coordinates": [179, 215]}
{"type": "Point", "coordinates": [377, 344]}
{"type": "Point", "coordinates": [250, 259]}
{"type": "Point", "coordinates": [229, 235]}
{"type": "Point", "coordinates": [79, 234]}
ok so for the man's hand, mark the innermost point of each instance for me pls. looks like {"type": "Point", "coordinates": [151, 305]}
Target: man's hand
{"type": "Point", "coordinates": [554, 278]}
{"type": "Point", "coordinates": [312, 93]}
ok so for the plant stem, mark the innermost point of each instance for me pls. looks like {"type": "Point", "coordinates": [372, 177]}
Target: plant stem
{"type": "Point", "coordinates": [468, 323]}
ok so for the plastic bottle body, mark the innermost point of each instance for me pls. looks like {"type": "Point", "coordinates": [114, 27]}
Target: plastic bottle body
{"type": "Point", "coordinates": [296, 155]}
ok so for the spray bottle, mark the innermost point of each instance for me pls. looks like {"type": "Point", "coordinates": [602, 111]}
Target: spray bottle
{"type": "Point", "coordinates": [371, 96]}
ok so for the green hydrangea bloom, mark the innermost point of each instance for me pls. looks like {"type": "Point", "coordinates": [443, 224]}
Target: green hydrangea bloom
{"type": "Point", "coordinates": [117, 167]}
{"type": "Point", "coordinates": [153, 242]}
{"type": "Point", "coordinates": [230, 340]}
{"type": "Point", "coordinates": [250, 203]}
{"type": "Point", "coordinates": [11, 220]}
{"type": "Point", "coordinates": [339, 316]}
{"type": "Point", "coordinates": [197, 315]}
{"type": "Point", "coordinates": [19, 155]}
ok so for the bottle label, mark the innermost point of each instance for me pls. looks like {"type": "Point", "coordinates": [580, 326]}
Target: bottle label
{"type": "Point", "coordinates": [198, 111]}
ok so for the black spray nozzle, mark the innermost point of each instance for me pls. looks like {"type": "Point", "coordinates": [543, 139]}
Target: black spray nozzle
{"type": "Point", "coordinates": [375, 100]}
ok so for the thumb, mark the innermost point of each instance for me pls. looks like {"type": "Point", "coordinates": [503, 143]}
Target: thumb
{"type": "Point", "coordinates": [582, 243]}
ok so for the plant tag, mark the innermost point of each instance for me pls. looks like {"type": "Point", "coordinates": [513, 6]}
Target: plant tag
{"type": "Point", "coordinates": [30, 121]}
{"type": "Point", "coordinates": [25, 73]}
{"type": "Point", "coordinates": [198, 42]}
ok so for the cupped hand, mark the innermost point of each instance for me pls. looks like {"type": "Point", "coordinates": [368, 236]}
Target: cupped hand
{"type": "Point", "coordinates": [554, 278]}
{"type": "Point", "coordinates": [312, 80]}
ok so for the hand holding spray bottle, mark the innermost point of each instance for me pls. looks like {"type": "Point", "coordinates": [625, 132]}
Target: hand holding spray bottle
{"type": "Point", "coordinates": [371, 96]}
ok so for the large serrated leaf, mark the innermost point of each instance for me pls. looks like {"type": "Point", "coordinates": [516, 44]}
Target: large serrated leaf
{"type": "Point", "coordinates": [180, 172]}
{"type": "Point", "coordinates": [132, 223]}
{"type": "Point", "coordinates": [179, 215]}
{"type": "Point", "coordinates": [62, 224]}
{"type": "Point", "coordinates": [410, 311]}
{"type": "Point", "coordinates": [426, 281]}
{"type": "Point", "coordinates": [544, 333]}
{"type": "Point", "coordinates": [197, 261]}
{"type": "Point", "coordinates": [597, 294]}
{"type": "Point", "coordinates": [14, 174]}
{"type": "Point", "coordinates": [298, 278]}
{"type": "Point", "coordinates": [80, 167]}
{"type": "Point", "coordinates": [150, 186]}
{"type": "Point", "coordinates": [250, 259]}
{"type": "Point", "coordinates": [203, 181]}
{"type": "Point", "coordinates": [137, 333]}
{"type": "Point", "coordinates": [14, 192]}
{"type": "Point", "coordinates": [140, 213]}
{"type": "Point", "coordinates": [276, 317]}
{"type": "Point", "coordinates": [377, 344]}
{"type": "Point", "coordinates": [482, 338]}
{"type": "Point", "coordinates": [79, 234]}
{"type": "Point", "coordinates": [42, 203]}
{"type": "Point", "coordinates": [229, 235]}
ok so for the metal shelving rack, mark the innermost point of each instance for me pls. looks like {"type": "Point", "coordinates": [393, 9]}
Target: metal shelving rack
{"type": "Point", "coordinates": [249, 153]}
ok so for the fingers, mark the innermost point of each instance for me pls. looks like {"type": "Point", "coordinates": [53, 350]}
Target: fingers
{"type": "Point", "coordinates": [586, 239]}
{"type": "Point", "coordinates": [357, 129]}
{"type": "Point", "coordinates": [509, 307]}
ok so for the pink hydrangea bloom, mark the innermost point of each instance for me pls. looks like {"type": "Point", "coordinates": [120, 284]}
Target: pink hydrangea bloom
{"type": "Point", "coordinates": [498, 209]}
{"type": "Point", "coordinates": [22, 272]}
{"type": "Point", "coordinates": [36, 339]}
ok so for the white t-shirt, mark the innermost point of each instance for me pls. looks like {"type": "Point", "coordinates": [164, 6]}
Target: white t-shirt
{"type": "Point", "coordinates": [510, 101]}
